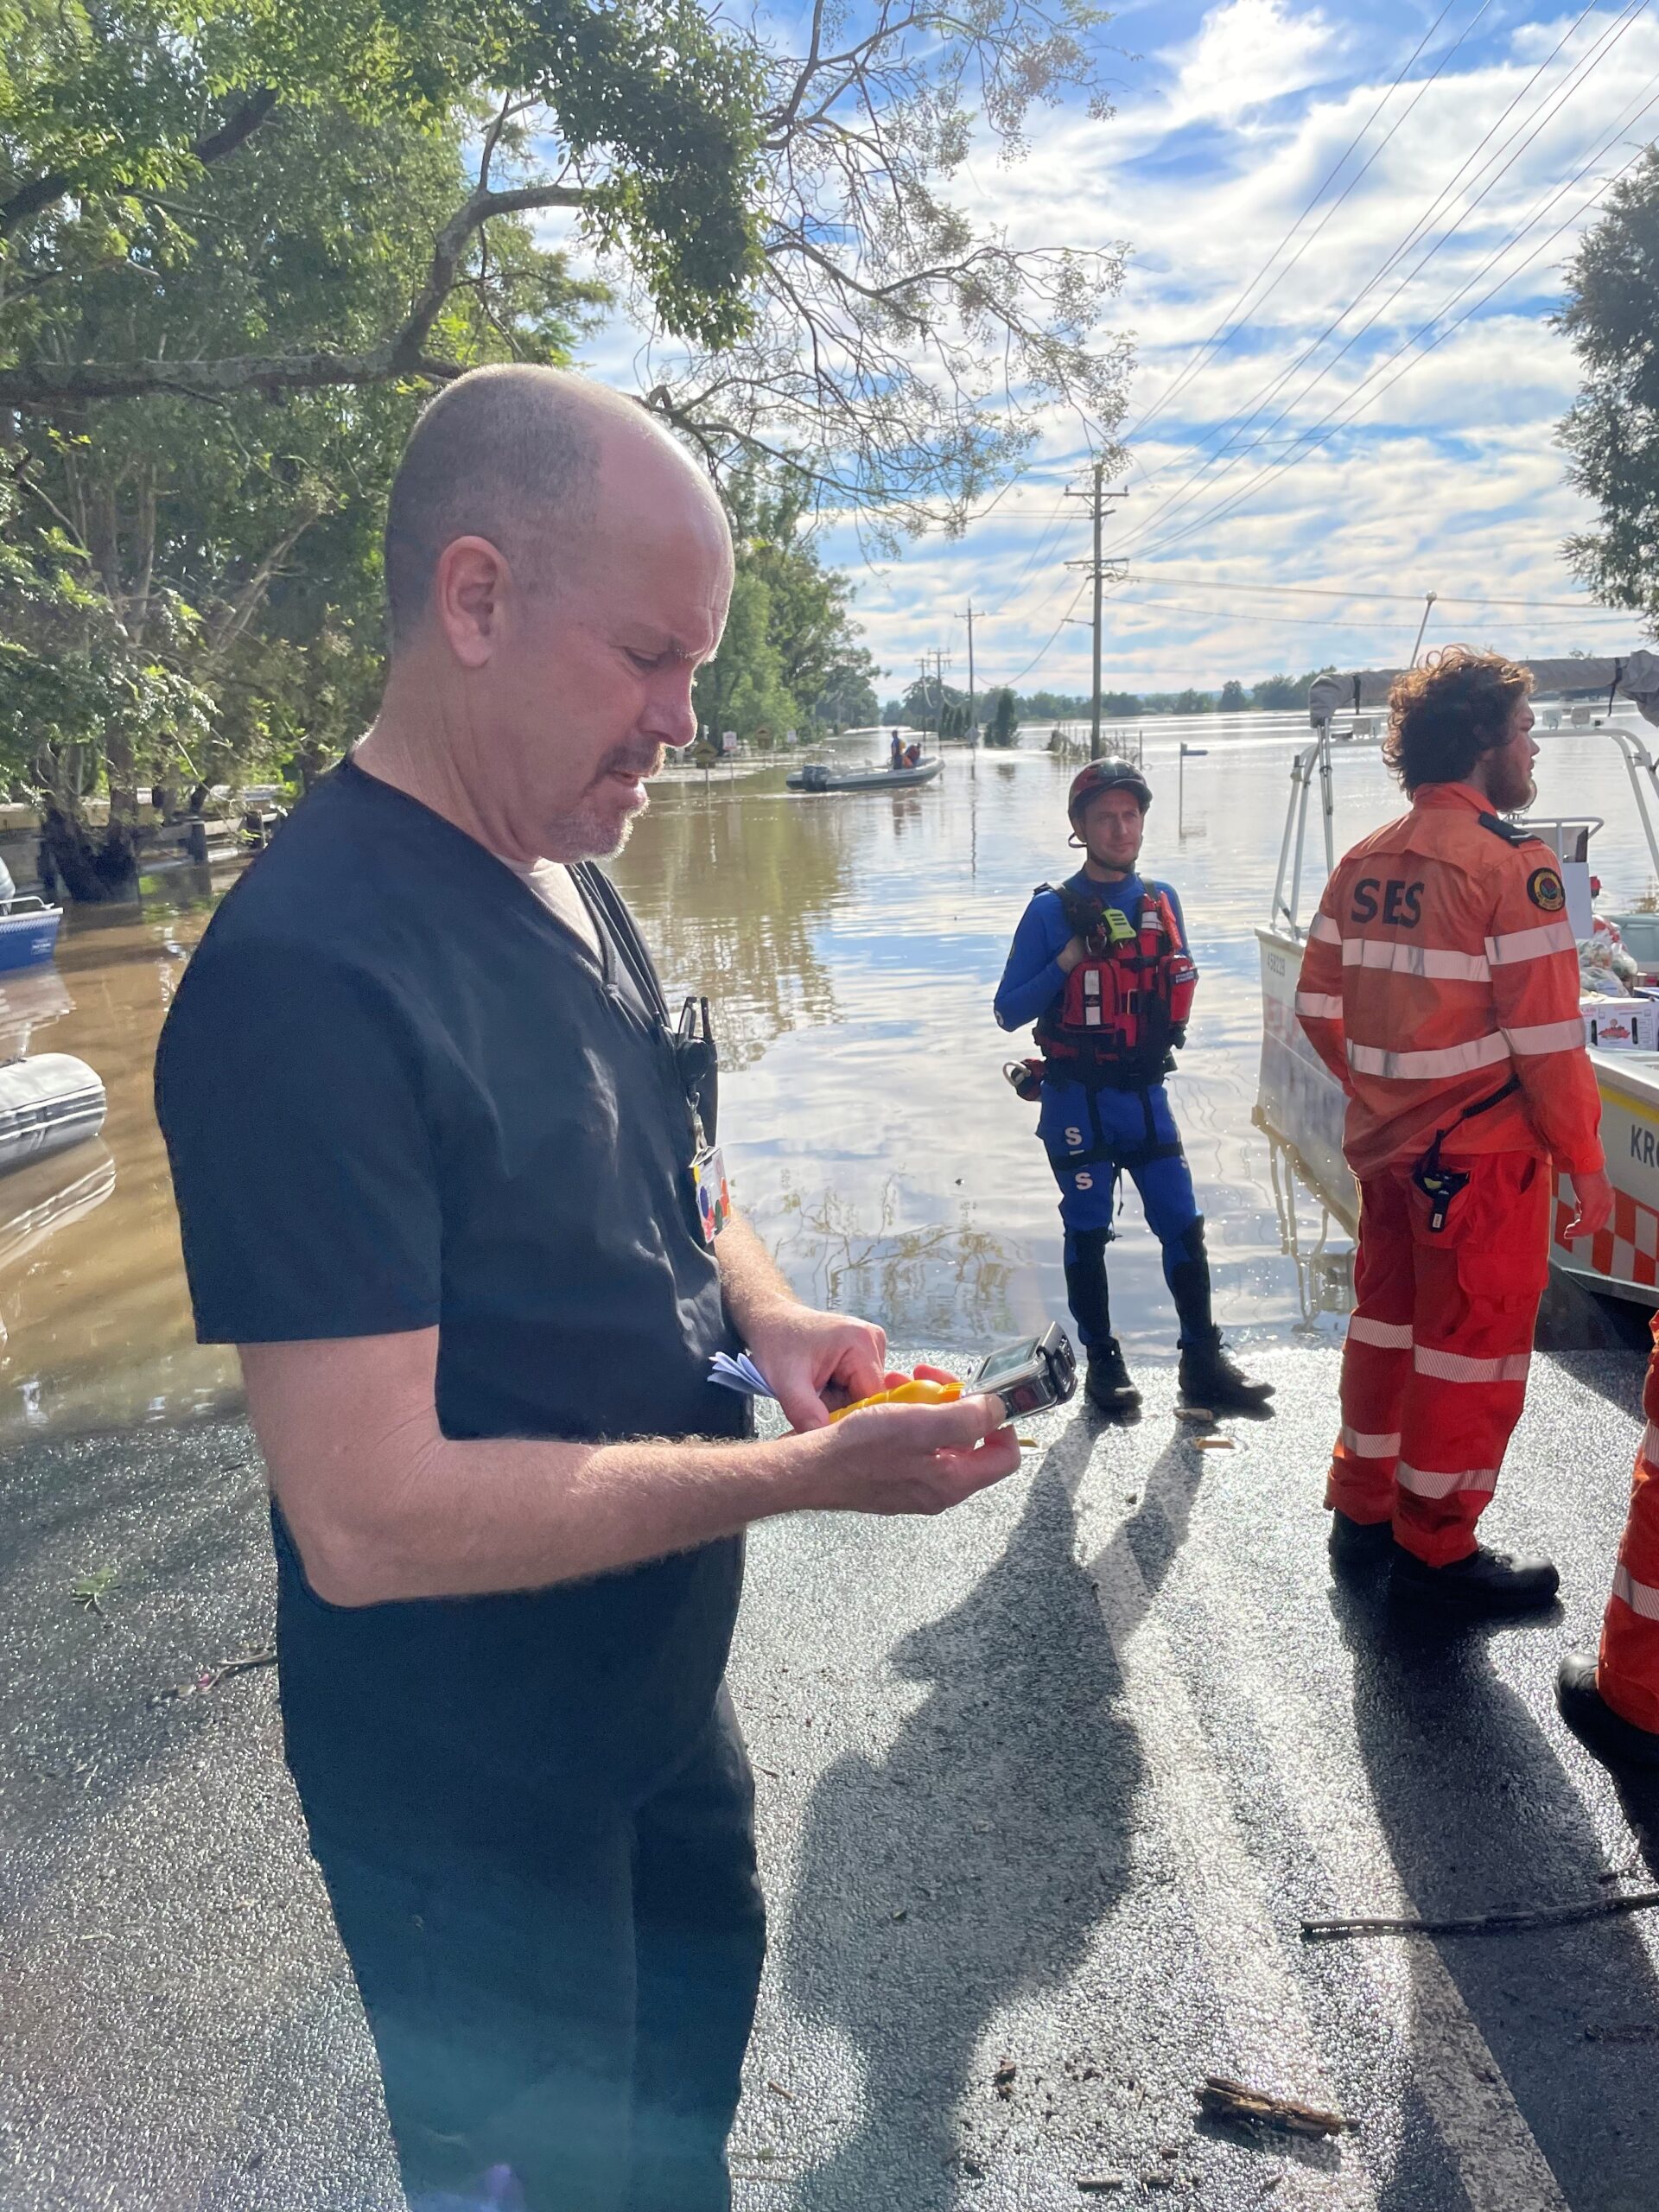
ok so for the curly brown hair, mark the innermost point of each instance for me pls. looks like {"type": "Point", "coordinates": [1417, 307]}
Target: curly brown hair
{"type": "Point", "coordinates": [1445, 715]}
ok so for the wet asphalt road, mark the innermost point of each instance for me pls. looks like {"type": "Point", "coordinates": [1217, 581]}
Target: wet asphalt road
{"type": "Point", "coordinates": [1050, 1784]}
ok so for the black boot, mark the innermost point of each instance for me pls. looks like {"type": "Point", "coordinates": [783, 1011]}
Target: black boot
{"type": "Point", "coordinates": [1109, 1383]}
{"type": "Point", "coordinates": [1486, 1583]}
{"type": "Point", "coordinates": [1209, 1377]}
{"type": "Point", "coordinates": [1357, 1544]}
{"type": "Point", "coordinates": [1613, 1739]}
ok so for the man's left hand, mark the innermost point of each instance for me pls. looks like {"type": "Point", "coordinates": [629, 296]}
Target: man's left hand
{"type": "Point", "coordinates": [803, 1354]}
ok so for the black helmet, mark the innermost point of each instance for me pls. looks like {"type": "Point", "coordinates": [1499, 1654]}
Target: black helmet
{"type": "Point", "coordinates": [1111, 774]}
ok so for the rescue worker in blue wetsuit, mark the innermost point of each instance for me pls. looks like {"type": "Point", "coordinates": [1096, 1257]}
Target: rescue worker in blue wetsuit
{"type": "Point", "coordinates": [1101, 965]}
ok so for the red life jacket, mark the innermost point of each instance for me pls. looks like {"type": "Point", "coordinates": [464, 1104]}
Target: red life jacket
{"type": "Point", "coordinates": [1123, 1002]}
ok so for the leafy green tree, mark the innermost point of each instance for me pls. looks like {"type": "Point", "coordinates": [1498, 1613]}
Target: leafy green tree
{"type": "Point", "coordinates": [742, 688]}
{"type": "Point", "coordinates": [1278, 693]}
{"type": "Point", "coordinates": [848, 700]}
{"type": "Point", "coordinates": [232, 550]}
{"type": "Point", "coordinates": [780, 213]}
{"type": "Point", "coordinates": [1611, 432]}
{"type": "Point", "coordinates": [1002, 731]}
{"type": "Point", "coordinates": [1234, 698]}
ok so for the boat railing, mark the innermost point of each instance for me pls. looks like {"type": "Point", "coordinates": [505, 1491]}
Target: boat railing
{"type": "Point", "coordinates": [24, 902]}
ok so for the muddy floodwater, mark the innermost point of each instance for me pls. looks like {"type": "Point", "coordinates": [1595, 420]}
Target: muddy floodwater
{"type": "Point", "coordinates": [850, 945]}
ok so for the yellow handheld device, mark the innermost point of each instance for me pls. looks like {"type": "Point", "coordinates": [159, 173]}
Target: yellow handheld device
{"type": "Point", "coordinates": [918, 1391]}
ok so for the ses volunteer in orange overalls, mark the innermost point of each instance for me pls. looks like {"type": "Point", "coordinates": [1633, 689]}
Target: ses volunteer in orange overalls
{"type": "Point", "coordinates": [1440, 986]}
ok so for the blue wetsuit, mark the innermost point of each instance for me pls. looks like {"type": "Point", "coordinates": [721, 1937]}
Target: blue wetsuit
{"type": "Point", "coordinates": [1093, 1134]}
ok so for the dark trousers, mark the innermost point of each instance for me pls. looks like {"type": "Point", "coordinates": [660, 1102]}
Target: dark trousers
{"type": "Point", "coordinates": [561, 2027]}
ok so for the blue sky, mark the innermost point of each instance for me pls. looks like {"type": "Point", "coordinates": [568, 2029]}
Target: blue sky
{"type": "Point", "coordinates": [1457, 194]}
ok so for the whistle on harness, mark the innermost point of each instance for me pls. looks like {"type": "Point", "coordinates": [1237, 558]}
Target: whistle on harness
{"type": "Point", "coordinates": [1439, 1184]}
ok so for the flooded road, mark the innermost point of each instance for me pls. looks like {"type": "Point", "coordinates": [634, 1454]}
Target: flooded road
{"type": "Point", "coordinates": [850, 945]}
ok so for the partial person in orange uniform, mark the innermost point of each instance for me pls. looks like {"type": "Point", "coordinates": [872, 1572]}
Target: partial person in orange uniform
{"type": "Point", "coordinates": [1612, 1702]}
{"type": "Point", "coordinates": [1440, 987]}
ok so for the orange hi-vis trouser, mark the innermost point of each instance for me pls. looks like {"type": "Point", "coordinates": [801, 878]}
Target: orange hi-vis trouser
{"type": "Point", "coordinates": [1627, 1673]}
{"type": "Point", "coordinates": [1434, 1370]}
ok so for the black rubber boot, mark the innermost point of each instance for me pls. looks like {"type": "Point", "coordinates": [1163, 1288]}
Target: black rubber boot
{"type": "Point", "coordinates": [1211, 1378]}
{"type": "Point", "coordinates": [1356, 1544]}
{"type": "Point", "coordinates": [1108, 1383]}
{"type": "Point", "coordinates": [1614, 1741]}
{"type": "Point", "coordinates": [1484, 1583]}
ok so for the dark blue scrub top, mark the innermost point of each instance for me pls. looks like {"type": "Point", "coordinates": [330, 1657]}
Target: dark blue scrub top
{"type": "Point", "coordinates": [397, 1093]}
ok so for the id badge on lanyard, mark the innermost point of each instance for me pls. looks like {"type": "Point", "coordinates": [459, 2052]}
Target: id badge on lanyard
{"type": "Point", "coordinates": [713, 1192]}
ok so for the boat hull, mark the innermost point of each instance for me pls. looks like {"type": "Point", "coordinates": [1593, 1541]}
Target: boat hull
{"type": "Point", "coordinates": [877, 779]}
{"type": "Point", "coordinates": [1302, 1105]}
{"type": "Point", "coordinates": [28, 940]}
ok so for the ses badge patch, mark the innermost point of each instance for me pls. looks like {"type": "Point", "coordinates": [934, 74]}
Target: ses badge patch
{"type": "Point", "coordinates": [1544, 889]}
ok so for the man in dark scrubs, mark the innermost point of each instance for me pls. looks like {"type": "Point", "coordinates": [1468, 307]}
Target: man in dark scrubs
{"type": "Point", "coordinates": [434, 1147]}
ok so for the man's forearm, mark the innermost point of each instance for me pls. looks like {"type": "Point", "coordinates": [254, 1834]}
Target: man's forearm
{"type": "Point", "coordinates": [749, 1274]}
{"type": "Point", "coordinates": [496, 1514]}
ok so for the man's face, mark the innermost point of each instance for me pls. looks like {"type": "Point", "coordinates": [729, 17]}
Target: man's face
{"type": "Point", "coordinates": [1112, 827]}
{"type": "Point", "coordinates": [592, 678]}
{"type": "Point", "coordinates": [1509, 765]}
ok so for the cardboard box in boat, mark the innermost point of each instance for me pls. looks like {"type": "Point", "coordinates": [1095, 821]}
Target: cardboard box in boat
{"type": "Point", "coordinates": [1621, 1024]}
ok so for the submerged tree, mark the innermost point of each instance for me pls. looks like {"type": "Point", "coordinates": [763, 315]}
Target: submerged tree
{"type": "Point", "coordinates": [1612, 434]}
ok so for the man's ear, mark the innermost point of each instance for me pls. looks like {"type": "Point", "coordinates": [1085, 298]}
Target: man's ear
{"type": "Point", "coordinates": [470, 592]}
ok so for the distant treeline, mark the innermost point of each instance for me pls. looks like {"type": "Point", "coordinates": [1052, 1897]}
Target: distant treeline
{"type": "Point", "coordinates": [920, 704]}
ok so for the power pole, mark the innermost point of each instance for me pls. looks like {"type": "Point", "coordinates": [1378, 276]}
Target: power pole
{"type": "Point", "coordinates": [973, 703]}
{"type": "Point", "coordinates": [1097, 496]}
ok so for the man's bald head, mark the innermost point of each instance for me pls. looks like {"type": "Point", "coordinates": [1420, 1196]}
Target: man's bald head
{"type": "Point", "coordinates": [513, 454]}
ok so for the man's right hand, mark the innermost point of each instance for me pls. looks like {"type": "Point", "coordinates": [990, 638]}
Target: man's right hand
{"type": "Point", "coordinates": [1594, 1194]}
{"type": "Point", "coordinates": [1068, 955]}
{"type": "Point", "coordinates": [911, 1459]}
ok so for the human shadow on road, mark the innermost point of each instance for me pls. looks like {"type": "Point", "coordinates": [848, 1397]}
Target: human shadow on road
{"type": "Point", "coordinates": [970, 1868]}
{"type": "Point", "coordinates": [1480, 1817]}
{"type": "Point", "coordinates": [996, 1826]}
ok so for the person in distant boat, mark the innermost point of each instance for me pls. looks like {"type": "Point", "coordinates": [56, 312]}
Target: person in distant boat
{"type": "Point", "coordinates": [896, 752]}
{"type": "Point", "coordinates": [1440, 987]}
{"type": "Point", "coordinates": [913, 754]}
{"type": "Point", "coordinates": [444, 1169]}
{"type": "Point", "coordinates": [1102, 965]}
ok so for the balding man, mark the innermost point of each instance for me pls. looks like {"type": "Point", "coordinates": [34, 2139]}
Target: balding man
{"type": "Point", "coordinates": [434, 1145]}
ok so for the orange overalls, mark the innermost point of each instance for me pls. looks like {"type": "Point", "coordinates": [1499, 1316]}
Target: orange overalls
{"type": "Point", "coordinates": [1627, 1670]}
{"type": "Point", "coordinates": [1440, 986]}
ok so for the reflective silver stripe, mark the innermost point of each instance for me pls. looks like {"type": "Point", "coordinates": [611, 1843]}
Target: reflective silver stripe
{"type": "Point", "coordinates": [1452, 1059]}
{"type": "Point", "coordinates": [1325, 929]}
{"type": "Point", "coordinates": [1415, 960]}
{"type": "Point", "coordinates": [1319, 1006]}
{"type": "Point", "coordinates": [1548, 1036]}
{"type": "Point", "coordinates": [1641, 1596]}
{"type": "Point", "coordinates": [1530, 944]}
{"type": "Point", "coordinates": [1370, 1447]}
{"type": "Point", "coordinates": [1427, 1482]}
{"type": "Point", "coordinates": [1454, 1367]}
{"type": "Point", "coordinates": [1390, 1336]}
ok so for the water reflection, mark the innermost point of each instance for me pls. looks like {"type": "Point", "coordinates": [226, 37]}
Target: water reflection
{"type": "Point", "coordinates": [852, 944]}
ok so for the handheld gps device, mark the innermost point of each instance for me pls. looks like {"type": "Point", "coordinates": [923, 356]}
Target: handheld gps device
{"type": "Point", "coordinates": [1032, 1374]}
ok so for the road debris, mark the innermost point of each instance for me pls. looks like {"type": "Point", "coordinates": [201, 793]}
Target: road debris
{"type": "Point", "coordinates": [1002, 2080]}
{"type": "Point", "coordinates": [1097, 2184]}
{"type": "Point", "coordinates": [1628, 2032]}
{"type": "Point", "coordinates": [1212, 1443]}
{"type": "Point", "coordinates": [1485, 1923]}
{"type": "Point", "coordinates": [211, 1677]}
{"type": "Point", "coordinates": [92, 1587]}
{"type": "Point", "coordinates": [1237, 2103]}
{"type": "Point", "coordinates": [778, 2090]}
{"type": "Point", "coordinates": [1202, 1415]}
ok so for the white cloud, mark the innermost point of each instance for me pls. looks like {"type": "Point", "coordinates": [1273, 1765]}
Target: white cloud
{"type": "Point", "coordinates": [1247, 55]}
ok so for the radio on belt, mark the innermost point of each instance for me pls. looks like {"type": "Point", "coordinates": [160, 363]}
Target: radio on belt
{"type": "Point", "coordinates": [1034, 1373]}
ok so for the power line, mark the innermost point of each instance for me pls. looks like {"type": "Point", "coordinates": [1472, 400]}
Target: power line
{"type": "Point", "coordinates": [1222, 330]}
{"type": "Point", "coordinates": [1190, 489]}
{"type": "Point", "coordinates": [1406, 598]}
{"type": "Point", "coordinates": [1329, 420]}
